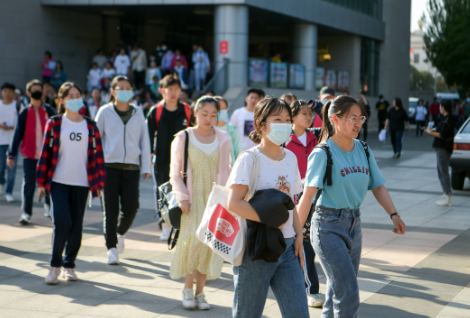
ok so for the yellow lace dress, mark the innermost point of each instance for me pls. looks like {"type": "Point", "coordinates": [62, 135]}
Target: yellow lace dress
{"type": "Point", "coordinates": [190, 253]}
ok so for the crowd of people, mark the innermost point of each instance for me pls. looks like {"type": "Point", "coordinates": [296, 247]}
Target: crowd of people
{"type": "Point", "coordinates": [83, 145]}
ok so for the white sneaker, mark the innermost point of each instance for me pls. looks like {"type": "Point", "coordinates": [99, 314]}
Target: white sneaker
{"type": "Point", "coordinates": [69, 274]}
{"type": "Point", "coordinates": [188, 298]}
{"type": "Point", "coordinates": [446, 200]}
{"type": "Point", "coordinates": [25, 219]}
{"type": "Point", "coordinates": [316, 300]}
{"type": "Point", "coordinates": [113, 256]}
{"type": "Point", "coordinates": [9, 198]}
{"type": "Point", "coordinates": [2, 190]}
{"type": "Point", "coordinates": [47, 211]}
{"type": "Point", "coordinates": [53, 277]}
{"type": "Point", "coordinates": [165, 232]}
{"type": "Point", "coordinates": [202, 302]}
{"type": "Point", "coordinates": [120, 244]}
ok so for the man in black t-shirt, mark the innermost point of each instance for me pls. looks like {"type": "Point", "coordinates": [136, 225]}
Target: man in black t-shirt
{"type": "Point", "coordinates": [164, 120]}
{"type": "Point", "coordinates": [382, 108]}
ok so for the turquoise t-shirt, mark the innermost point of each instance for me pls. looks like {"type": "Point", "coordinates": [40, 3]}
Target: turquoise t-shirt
{"type": "Point", "coordinates": [350, 174]}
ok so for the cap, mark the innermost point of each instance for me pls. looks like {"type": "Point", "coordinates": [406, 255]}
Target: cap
{"type": "Point", "coordinates": [325, 90]}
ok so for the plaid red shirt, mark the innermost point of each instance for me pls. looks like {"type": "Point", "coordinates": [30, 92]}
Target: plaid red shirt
{"type": "Point", "coordinates": [50, 154]}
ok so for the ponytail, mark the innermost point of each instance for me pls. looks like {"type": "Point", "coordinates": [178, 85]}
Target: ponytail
{"type": "Point", "coordinates": [327, 130]}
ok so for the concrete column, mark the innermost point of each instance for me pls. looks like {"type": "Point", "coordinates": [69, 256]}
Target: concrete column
{"type": "Point", "coordinates": [231, 25]}
{"type": "Point", "coordinates": [305, 51]}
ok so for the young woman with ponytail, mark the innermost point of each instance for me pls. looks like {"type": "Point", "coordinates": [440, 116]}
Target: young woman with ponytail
{"type": "Point", "coordinates": [71, 164]}
{"type": "Point", "coordinates": [336, 233]}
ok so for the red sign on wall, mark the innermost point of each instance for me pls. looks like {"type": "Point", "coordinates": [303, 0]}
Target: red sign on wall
{"type": "Point", "coordinates": [223, 47]}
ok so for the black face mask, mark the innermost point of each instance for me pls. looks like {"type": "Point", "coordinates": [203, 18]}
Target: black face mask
{"type": "Point", "coordinates": [36, 95]}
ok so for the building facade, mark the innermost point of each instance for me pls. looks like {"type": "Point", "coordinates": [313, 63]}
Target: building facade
{"type": "Point", "coordinates": [355, 45]}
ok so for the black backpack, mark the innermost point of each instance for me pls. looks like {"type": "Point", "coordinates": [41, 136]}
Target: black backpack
{"type": "Point", "coordinates": [329, 182]}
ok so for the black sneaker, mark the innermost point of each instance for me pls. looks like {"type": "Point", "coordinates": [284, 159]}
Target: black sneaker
{"type": "Point", "coordinates": [398, 155]}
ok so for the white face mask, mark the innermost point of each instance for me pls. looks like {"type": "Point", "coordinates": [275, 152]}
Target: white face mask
{"type": "Point", "coordinates": [468, 100]}
{"type": "Point", "coordinates": [280, 133]}
{"type": "Point", "coordinates": [325, 100]}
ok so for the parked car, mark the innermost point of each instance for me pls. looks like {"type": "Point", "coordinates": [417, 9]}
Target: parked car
{"type": "Point", "coordinates": [460, 159]}
{"type": "Point", "coordinates": [413, 103]}
{"type": "Point", "coordinates": [449, 96]}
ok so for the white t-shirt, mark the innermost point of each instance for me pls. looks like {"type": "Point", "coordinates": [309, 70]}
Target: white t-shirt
{"type": "Point", "coordinates": [207, 148]}
{"type": "Point", "coordinates": [303, 139]}
{"type": "Point", "coordinates": [109, 73]}
{"type": "Point", "coordinates": [94, 77]}
{"type": "Point", "coordinates": [283, 175]}
{"type": "Point", "coordinates": [8, 116]}
{"type": "Point", "coordinates": [72, 162]}
{"type": "Point", "coordinates": [121, 64]}
{"type": "Point", "coordinates": [243, 120]}
{"type": "Point", "coordinates": [420, 112]}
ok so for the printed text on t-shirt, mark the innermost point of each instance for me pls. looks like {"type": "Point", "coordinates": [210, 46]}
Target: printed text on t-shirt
{"type": "Point", "coordinates": [347, 170]}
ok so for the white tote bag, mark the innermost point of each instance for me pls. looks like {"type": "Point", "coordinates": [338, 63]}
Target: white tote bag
{"type": "Point", "coordinates": [222, 230]}
{"type": "Point", "coordinates": [383, 135]}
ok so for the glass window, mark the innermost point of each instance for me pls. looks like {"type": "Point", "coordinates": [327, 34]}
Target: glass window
{"type": "Point", "coordinates": [371, 8]}
{"type": "Point", "coordinates": [416, 58]}
{"type": "Point", "coordinates": [370, 66]}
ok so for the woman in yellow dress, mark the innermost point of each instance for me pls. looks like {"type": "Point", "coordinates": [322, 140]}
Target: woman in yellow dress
{"type": "Point", "coordinates": [209, 161]}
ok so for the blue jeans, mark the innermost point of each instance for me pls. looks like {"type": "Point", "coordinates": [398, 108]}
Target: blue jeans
{"type": "Point", "coordinates": [10, 181]}
{"type": "Point", "coordinates": [253, 278]}
{"type": "Point", "coordinates": [337, 240]}
{"type": "Point", "coordinates": [396, 136]}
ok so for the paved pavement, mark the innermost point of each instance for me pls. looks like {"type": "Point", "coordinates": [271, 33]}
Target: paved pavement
{"type": "Point", "coordinates": [425, 273]}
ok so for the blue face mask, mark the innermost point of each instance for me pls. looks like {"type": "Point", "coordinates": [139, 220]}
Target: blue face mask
{"type": "Point", "coordinates": [280, 133]}
{"type": "Point", "coordinates": [124, 96]}
{"type": "Point", "coordinates": [222, 116]}
{"type": "Point", "coordinates": [74, 105]}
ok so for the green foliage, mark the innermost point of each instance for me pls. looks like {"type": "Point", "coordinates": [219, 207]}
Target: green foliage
{"type": "Point", "coordinates": [447, 39]}
{"type": "Point", "coordinates": [421, 81]}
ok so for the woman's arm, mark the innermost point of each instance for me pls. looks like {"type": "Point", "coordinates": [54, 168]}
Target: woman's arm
{"type": "Point", "coordinates": [383, 197]}
{"type": "Point", "coordinates": [305, 204]}
{"type": "Point", "coordinates": [237, 204]}
{"type": "Point", "coordinates": [432, 133]}
{"type": "Point", "coordinates": [386, 124]}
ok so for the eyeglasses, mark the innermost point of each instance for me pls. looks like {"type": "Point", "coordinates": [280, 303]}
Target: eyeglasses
{"type": "Point", "coordinates": [356, 120]}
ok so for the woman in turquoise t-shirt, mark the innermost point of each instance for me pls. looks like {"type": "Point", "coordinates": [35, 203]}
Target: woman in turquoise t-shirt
{"type": "Point", "coordinates": [336, 233]}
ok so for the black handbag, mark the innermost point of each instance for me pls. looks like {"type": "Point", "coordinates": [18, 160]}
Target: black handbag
{"type": "Point", "coordinates": [168, 205]}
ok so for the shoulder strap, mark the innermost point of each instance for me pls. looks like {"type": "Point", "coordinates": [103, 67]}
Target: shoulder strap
{"type": "Point", "coordinates": [329, 163]}
{"type": "Point", "coordinates": [92, 123]}
{"type": "Point", "coordinates": [366, 150]}
{"type": "Point", "coordinates": [186, 145]}
{"type": "Point", "coordinates": [158, 113]}
{"type": "Point", "coordinates": [187, 110]}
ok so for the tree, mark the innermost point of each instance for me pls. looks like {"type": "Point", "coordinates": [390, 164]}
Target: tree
{"type": "Point", "coordinates": [421, 81]}
{"type": "Point", "coordinates": [447, 39]}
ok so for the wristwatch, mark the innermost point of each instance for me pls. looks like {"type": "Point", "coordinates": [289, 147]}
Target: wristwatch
{"type": "Point", "coordinates": [395, 213]}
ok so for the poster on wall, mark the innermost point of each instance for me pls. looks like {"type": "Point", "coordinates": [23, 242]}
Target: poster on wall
{"type": "Point", "coordinates": [296, 76]}
{"type": "Point", "coordinates": [330, 78]}
{"type": "Point", "coordinates": [343, 81]}
{"type": "Point", "coordinates": [319, 78]}
{"type": "Point", "coordinates": [258, 73]}
{"type": "Point", "coordinates": [278, 78]}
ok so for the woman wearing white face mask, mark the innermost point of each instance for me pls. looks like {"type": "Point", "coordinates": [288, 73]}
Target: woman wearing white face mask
{"type": "Point", "coordinates": [71, 164]}
{"type": "Point", "coordinates": [127, 151]}
{"type": "Point", "coordinates": [223, 125]}
{"type": "Point", "coordinates": [278, 170]}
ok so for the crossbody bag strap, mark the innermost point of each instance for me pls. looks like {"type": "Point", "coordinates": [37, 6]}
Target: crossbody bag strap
{"type": "Point", "coordinates": [329, 164]}
{"type": "Point", "coordinates": [366, 150]}
{"type": "Point", "coordinates": [186, 145]}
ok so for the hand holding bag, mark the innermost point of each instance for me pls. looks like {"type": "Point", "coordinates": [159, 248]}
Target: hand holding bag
{"type": "Point", "coordinates": [222, 230]}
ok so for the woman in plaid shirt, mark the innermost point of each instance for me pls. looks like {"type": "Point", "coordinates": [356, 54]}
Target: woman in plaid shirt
{"type": "Point", "coordinates": [71, 164]}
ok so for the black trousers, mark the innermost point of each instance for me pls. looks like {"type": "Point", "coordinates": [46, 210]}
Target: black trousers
{"type": "Point", "coordinates": [381, 124]}
{"type": "Point", "coordinates": [161, 174]}
{"type": "Point", "coordinates": [420, 124]}
{"type": "Point", "coordinates": [310, 271]}
{"type": "Point", "coordinates": [68, 210]}
{"type": "Point", "coordinates": [29, 185]}
{"type": "Point", "coordinates": [122, 186]}
{"type": "Point", "coordinates": [139, 79]}
{"type": "Point", "coordinates": [364, 130]}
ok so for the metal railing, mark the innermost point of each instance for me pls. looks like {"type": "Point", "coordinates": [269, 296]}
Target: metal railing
{"type": "Point", "coordinates": [219, 82]}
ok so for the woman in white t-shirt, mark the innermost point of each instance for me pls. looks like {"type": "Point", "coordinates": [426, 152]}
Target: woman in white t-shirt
{"type": "Point", "coordinates": [278, 170]}
{"type": "Point", "coordinates": [70, 165]}
{"type": "Point", "coordinates": [420, 118]}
